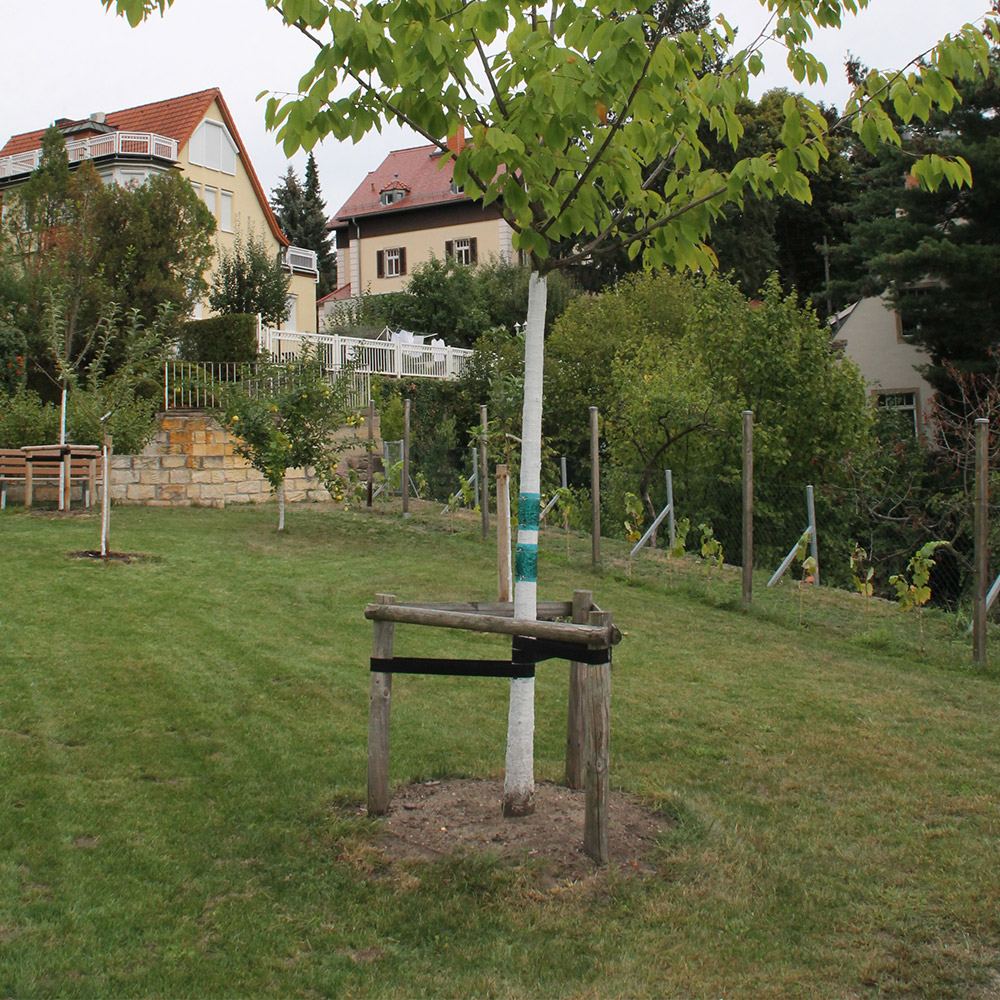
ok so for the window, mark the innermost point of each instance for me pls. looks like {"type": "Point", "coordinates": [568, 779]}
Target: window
{"type": "Point", "coordinates": [196, 188]}
{"type": "Point", "coordinates": [291, 320]}
{"type": "Point", "coordinates": [212, 146]}
{"type": "Point", "coordinates": [391, 197]}
{"type": "Point", "coordinates": [898, 413]}
{"type": "Point", "coordinates": [457, 188]}
{"type": "Point", "coordinates": [390, 263]}
{"type": "Point", "coordinates": [226, 211]}
{"type": "Point", "coordinates": [463, 250]}
{"type": "Point", "coordinates": [210, 198]}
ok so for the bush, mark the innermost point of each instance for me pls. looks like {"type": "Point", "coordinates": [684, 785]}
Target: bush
{"type": "Point", "coordinates": [232, 337]}
{"type": "Point", "coordinates": [25, 419]}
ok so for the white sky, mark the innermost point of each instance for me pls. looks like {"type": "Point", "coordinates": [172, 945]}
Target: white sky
{"type": "Point", "coordinates": [67, 58]}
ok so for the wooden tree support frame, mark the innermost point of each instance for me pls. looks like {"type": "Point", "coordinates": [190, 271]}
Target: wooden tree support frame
{"type": "Point", "coordinates": [587, 642]}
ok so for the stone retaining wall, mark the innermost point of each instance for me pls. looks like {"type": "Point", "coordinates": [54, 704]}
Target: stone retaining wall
{"type": "Point", "coordinates": [192, 460]}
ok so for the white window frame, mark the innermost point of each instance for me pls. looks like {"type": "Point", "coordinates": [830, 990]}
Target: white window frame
{"type": "Point", "coordinates": [462, 249]}
{"type": "Point", "coordinates": [201, 153]}
{"type": "Point", "coordinates": [291, 322]}
{"type": "Point", "coordinates": [211, 198]}
{"type": "Point", "coordinates": [898, 402]}
{"type": "Point", "coordinates": [226, 211]}
{"type": "Point", "coordinates": [393, 262]}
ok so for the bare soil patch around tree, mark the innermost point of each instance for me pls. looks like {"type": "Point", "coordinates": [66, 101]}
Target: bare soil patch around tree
{"type": "Point", "coordinates": [431, 820]}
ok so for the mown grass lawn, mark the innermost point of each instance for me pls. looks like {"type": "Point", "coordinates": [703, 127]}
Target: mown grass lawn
{"type": "Point", "coordinates": [182, 755]}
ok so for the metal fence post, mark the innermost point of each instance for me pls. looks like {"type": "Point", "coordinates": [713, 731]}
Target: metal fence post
{"type": "Point", "coordinates": [813, 542]}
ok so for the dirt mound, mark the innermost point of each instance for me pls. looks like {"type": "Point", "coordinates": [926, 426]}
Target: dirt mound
{"type": "Point", "coordinates": [433, 819]}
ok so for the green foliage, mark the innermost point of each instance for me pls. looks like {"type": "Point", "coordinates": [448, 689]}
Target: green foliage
{"type": "Point", "coordinates": [13, 357]}
{"type": "Point", "coordinates": [25, 419]}
{"type": "Point", "coordinates": [249, 278]}
{"type": "Point", "coordinates": [66, 236]}
{"type": "Point", "coordinates": [301, 214]}
{"type": "Point", "coordinates": [711, 552]}
{"type": "Point", "coordinates": [915, 592]}
{"type": "Point", "coordinates": [230, 337]}
{"type": "Point", "coordinates": [862, 575]}
{"type": "Point", "coordinates": [286, 419]}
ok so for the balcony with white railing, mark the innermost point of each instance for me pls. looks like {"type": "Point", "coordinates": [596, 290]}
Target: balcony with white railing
{"type": "Point", "coordinates": [374, 357]}
{"type": "Point", "coordinates": [107, 144]}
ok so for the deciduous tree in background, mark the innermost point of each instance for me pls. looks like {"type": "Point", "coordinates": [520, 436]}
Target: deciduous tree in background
{"type": "Point", "coordinates": [250, 279]}
{"type": "Point", "coordinates": [576, 113]}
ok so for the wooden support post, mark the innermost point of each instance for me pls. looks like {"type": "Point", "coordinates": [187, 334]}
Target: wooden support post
{"type": "Point", "coordinates": [406, 458]}
{"type": "Point", "coordinates": [504, 583]}
{"type": "Point", "coordinates": [981, 542]}
{"type": "Point", "coordinates": [484, 474]}
{"type": "Point", "coordinates": [747, 507]}
{"type": "Point", "coordinates": [597, 713]}
{"type": "Point", "coordinates": [576, 769]}
{"type": "Point", "coordinates": [379, 704]}
{"type": "Point", "coordinates": [371, 450]}
{"type": "Point", "coordinates": [595, 489]}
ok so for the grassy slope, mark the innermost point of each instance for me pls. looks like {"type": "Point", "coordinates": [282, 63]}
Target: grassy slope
{"type": "Point", "coordinates": [182, 747]}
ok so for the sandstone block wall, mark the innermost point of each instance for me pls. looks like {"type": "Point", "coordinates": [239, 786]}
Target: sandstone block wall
{"type": "Point", "coordinates": [192, 460]}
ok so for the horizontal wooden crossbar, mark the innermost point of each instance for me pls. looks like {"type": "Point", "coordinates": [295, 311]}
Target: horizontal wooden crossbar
{"type": "Point", "coordinates": [593, 636]}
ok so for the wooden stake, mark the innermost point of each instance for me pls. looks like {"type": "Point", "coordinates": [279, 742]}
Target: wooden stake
{"type": "Point", "coordinates": [981, 542]}
{"type": "Point", "coordinates": [595, 489]}
{"type": "Point", "coordinates": [597, 715]}
{"type": "Point", "coordinates": [371, 450]}
{"type": "Point", "coordinates": [575, 726]}
{"type": "Point", "coordinates": [406, 458]}
{"type": "Point", "coordinates": [379, 704]}
{"type": "Point", "coordinates": [484, 473]}
{"type": "Point", "coordinates": [747, 507]}
{"type": "Point", "coordinates": [503, 534]}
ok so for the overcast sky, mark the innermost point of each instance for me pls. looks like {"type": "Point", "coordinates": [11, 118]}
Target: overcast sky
{"type": "Point", "coordinates": [67, 58]}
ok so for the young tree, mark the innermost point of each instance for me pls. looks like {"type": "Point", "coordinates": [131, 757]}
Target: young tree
{"type": "Point", "coordinates": [285, 419]}
{"type": "Point", "coordinates": [249, 279]}
{"type": "Point", "coordinates": [575, 112]}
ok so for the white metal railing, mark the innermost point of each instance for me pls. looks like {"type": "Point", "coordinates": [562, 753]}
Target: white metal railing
{"type": "Point", "coordinates": [376, 357]}
{"type": "Point", "coordinates": [300, 259]}
{"type": "Point", "coordinates": [194, 385]}
{"type": "Point", "coordinates": [106, 144]}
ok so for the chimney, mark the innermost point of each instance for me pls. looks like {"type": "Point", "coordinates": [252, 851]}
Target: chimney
{"type": "Point", "coordinates": [456, 142]}
{"type": "Point", "coordinates": [97, 116]}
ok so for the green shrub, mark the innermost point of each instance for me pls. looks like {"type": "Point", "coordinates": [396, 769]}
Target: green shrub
{"type": "Point", "coordinates": [232, 337]}
{"type": "Point", "coordinates": [25, 419]}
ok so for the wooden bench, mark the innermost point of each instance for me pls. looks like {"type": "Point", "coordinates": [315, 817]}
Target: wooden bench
{"type": "Point", "coordinates": [69, 464]}
{"type": "Point", "coordinates": [13, 469]}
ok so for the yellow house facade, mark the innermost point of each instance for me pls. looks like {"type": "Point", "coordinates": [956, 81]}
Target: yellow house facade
{"type": "Point", "coordinates": [195, 134]}
{"type": "Point", "coordinates": [405, 212]}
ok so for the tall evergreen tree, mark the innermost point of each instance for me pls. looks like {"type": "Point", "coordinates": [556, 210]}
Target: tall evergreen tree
{"type": "Point", "coordinates": [936, 251]}
{"type": "Point", "coordinates": [301, 213]}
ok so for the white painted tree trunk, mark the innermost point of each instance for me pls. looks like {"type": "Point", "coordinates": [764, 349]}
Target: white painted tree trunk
{"type": "Point", "coordinates": [105, 497]}
{"type": "Point", "coordinates": [519, 780]}
{"type": "Point", "coordinates": [281, 505]}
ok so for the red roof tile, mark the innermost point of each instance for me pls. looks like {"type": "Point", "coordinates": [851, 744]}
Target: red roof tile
{"type": "Point", "coordinates": [421, 170]}
{"type": "Point", "coordinates": [176, 118]}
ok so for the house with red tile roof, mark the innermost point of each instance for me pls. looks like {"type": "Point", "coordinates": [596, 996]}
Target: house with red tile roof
{"type": "Point", "coordinates": [403, 213]}
{"type": "Point", "coordinates": [195, 134]}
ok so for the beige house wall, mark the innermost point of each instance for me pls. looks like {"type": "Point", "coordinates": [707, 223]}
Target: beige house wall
{"type": "Point", "coordinates": [247, 218]}
{"type": "Point", "coordinates": [420, 246]}
{"type": "Point", "coordinates": [871, 337]}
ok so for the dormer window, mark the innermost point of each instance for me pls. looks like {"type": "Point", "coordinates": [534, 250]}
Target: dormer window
{"type": "Point", "coordinates": [457, 188]}
{"type": "Point", "coordinates": [393, 195]}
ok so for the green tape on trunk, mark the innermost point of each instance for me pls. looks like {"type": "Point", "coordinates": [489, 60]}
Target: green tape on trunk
{"type": "Point", "coordinates": [528, 507]}
{"type": "Point", "coordinates": [526, 563]}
